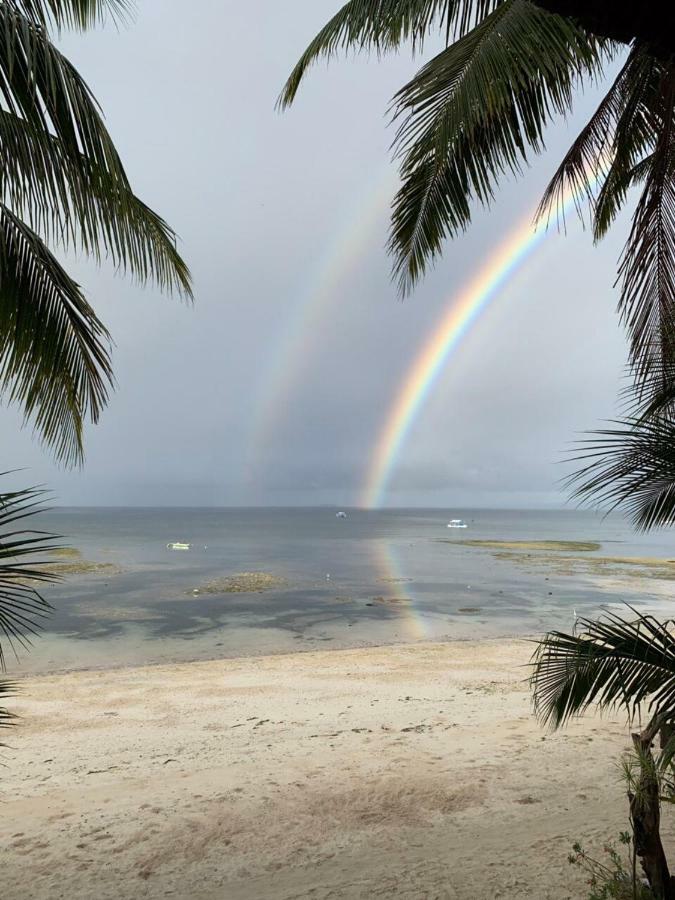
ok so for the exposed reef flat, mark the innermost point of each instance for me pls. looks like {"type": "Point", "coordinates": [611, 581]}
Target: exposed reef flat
{"type": "Point", "coordinates": [562, 558]}
{"type": "Point", "coordinates": [241, 583]}
{"type": "Point", "coordinates": [66, 553]}
{"type": "Point", "coordinates": [630, 567]}
{"type": "Point", "coordinates": [83, 567]}
{"type": "Point", "coordinates": [77, 566]}
{"type": "Point", "coordinates": [563, 546]}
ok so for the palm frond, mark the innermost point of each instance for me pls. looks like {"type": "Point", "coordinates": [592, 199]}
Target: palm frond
{"type": "Point", "coordinates": [612, 195]}
{"type": "Point", "coordinates": [61, 166]}
{"type": "Point", "coordinates": [80, 14]}
{"type": "Point", "coordinates": [612, 662]}
{"type": "Point", "coordinates": [647, 269]}
{"type": "Point", "coordinates": [606, 149]}
{"type": "Point", "coordinates": [22, 608]}
{"type": "Point", "coordinates": [7, 689]}
{"type": "Point", "coordinates": [72, 203]}
{"type": "Point", "coordinates": [383, 25]}
{"type": "Point", "coordinates": [630, 467]}
{"type": "Point", "coordinates": [472, 113]}
{"type": "Point", "coordinates": [54, 357]}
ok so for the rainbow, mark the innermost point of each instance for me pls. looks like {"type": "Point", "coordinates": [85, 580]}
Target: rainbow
{"type": "Point", "coordinates": [465, 309]}
{"type": "Point", "coordinates": [412, 620]}
{"type": "Point", "coordinates": [321, 287]}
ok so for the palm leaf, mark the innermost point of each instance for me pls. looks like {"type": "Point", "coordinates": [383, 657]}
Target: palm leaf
{"type": "Point", "coordinates": [7, 689]}
{"type": "Point", "coordinates": [612, 662]}
{"type": "Point", "coordinates": [620, 178]}
{"type": "Point", "coordinates": [54, 357]}
{"type": "Point", "coordinates": [79, 14]}
{"type": "Point", "coordinates": [22, 608]}
{"type": "Point", "coordinates": [75, 204]}
{"type": "Point", "coordinates": [647, 270]}
{"type": "Point", "coordinates": [631, 467]}
{"type": "Point", "coordinates": [62, 168]}
{"type": "Point", "coordinates": [607, 149]}
{"type": "Point", "coordinates": [384, 25]}
{"type": "Point", "coordinates": [523, 65]}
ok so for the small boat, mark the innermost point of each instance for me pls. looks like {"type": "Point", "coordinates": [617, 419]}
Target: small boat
{"type": "Point", "coordinates": [341, 515]}
{"type": "Point", "coordinates": [178, 545]}
{"type": "Point", "coordinates": [457, 523]}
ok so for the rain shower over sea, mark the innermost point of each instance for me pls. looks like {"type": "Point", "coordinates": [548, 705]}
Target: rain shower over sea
{"type": "Point", "coordinates": [259, 581]}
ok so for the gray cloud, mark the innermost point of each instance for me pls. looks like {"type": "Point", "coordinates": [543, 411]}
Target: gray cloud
{"type": "Point", "coordinates": [257, 197]}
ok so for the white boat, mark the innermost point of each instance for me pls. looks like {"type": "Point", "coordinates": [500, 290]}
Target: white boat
{"type": "Point", "coordinates": [457, 523]}
{"type": "Point", "coordinates": [341, 515]}
{"type": "Point", "coordinates": [178, 545]}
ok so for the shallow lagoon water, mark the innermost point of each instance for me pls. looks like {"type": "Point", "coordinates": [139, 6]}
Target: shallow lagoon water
{"type": "Point", "coordinates": [374, 577]}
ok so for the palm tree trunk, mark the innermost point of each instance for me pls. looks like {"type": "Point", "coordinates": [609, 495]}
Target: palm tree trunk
{"type": "Point", "coordinates": [645, 813]}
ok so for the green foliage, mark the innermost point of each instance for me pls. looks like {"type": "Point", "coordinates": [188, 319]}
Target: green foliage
{"type": "Point", "coordinates": [479, 109]}
{"type": "Point", "coordinates": [62, 184]}
{"type": "Point", "coordinates": [70, 13]}
{"type": "Point", "coordinates": [24, 563]}
{"type": "Point", "coordinates": [383, 25]}
{"type": "Point", "coordinates": [523, 64]}
{"type": "Point", "coordinates": [631, 466]}
{"type": "Point", "coordinates": [608, 878]}
{"type": "Point", "coordinates": [612, 662]}
{"type": "Point", "coordinates": [22, 607]}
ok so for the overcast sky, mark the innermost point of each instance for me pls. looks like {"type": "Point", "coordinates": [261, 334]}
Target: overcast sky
{"type": "Point", "coordinates": [211, 407]}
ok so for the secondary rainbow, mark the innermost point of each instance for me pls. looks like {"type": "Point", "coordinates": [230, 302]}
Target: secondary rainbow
{"type": "Point", "coordinates": [419, 381]}
{"type": "Point", "coordinates": [323, 283]}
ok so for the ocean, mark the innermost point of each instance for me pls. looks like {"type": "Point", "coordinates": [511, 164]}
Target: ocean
{"type": "Point", "coordinates": [374, 577]}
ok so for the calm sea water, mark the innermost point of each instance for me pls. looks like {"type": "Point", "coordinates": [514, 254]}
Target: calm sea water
{"type": "Point", "coordinates": [334, 569]}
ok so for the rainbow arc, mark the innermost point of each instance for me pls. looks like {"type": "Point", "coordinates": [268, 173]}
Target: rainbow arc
{"type": "Point", "coordinates": [464, 310]}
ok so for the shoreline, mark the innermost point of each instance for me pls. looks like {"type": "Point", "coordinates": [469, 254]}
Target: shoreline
{"type": "Point", "coordinates": [38, 673]}
{"type": "Point", "coordinates": [409, 770]}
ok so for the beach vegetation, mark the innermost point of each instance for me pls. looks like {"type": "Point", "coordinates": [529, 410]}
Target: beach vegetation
{"type": "Point", "coordinates": [64, 190]}
{"type": "Point", "coordinates": [632, 466]}
{"type": "Point", "coordinates": [476, 113]}
{"type": "Point", "coordinates": [621, 664]}
{"type": "Point", "coordinates": [607, 876]}
{"type": "Point", "coordinates": [24, 567]}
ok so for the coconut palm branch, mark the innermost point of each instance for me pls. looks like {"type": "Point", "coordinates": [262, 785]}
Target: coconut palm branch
{"type": "Point", "coordinates": [24, 559]}
{"type": "Point", "coordinates": [601, 164]}
{"type": "Point", "coordinates": [524, 65]}
{"type": "Point", "coordinates": [71, 13]}
{"type": "Point", "coordinates": [53, 350]}
{"type": "Point", "coordinates": [471, 113]}
{"type": "Point", "coordinates": [647, 270]}
{"type": "Point", "coordinates": [62, 184]}
{"type": "Point", "coordinates": [631, 467]}
{"type": "Point", "coordinates": [611, 662]}
{"type": "Point", "coordinates": [478, 110]}
{"type": "Point", "coordinates": [7, 689]}
{"type": "Point", "coordinates": [617, 663]}
{"type": "Point", "coordinates": [383, 25]}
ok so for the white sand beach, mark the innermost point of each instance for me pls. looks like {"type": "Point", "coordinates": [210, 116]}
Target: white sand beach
{"type": "Point", "coordinates": [410, 771]}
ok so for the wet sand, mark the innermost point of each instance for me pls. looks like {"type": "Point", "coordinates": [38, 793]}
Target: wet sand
{"type": "Point", "coordinates": [412, 771]}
